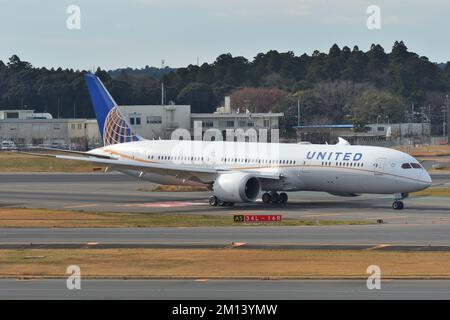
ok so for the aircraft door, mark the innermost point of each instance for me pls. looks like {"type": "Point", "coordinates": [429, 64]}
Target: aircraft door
{"type": "Point", "coordinates": [305, 166]}
{"type": "Point", "coordinates": [378, 166]}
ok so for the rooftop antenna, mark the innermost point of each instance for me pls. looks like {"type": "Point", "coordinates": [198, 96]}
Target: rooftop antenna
{"type": "Point", "coordinates": [162, 83]}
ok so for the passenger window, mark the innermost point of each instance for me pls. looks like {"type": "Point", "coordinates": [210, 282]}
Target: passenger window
{"type": "Point", "coordinates": [406, 166]}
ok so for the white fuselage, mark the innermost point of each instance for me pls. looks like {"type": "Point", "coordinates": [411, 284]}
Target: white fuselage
{"type": "Point", "coordinates": [339, 169]}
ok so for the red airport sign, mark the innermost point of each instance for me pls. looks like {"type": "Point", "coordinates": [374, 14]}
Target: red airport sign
{"type": "Point", "coordinates": [251, 218]}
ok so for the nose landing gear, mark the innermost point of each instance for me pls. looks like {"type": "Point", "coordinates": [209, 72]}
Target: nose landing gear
{"type": "Point", "coordinates": [214, 201]}
{"type": "Point", "coordinates": [398, 204]}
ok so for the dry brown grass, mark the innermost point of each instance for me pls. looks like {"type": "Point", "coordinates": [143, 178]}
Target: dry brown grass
{"type": "Point", "coordinates": [44, 218]}
{"type": "Point", "coordinates": [426, 151]}
{"type": "Point", "coordinates": [433, 192]}
{"type": "Point", "coordinates": [18, 162]}
{"type": "Point", "coordinates": [227, 263]}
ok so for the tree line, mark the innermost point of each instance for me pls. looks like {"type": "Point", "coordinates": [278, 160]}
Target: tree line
{"type": "Point", "coordinates": [341, 86]}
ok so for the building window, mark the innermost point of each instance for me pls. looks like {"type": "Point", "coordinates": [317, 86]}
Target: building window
{"type": "Point", "coordinates": [72, 126]}
{"type": "Point", "coordinates": [250, 124]}
{"type": "Point", "coordinates": [242, 123]}
{"type": "Point", "coordinates": [154, 119]}
{"type": "Point", "coordinates": [135, 119]}
{"type": "Point", "coordinates": [267, 123]}
{"type": "Point", "coordinates": [380, 128]}
{"type": "Point", "coordinates": [56, 127]}
{"type": "Point", "coordinates": [230, 123]}
{"type": "Point", "coordinates": [12, 115]}
{"type": "Point", "coordinates": [37, 141]}
{"type": "Point", "coordinates": [80, 126]}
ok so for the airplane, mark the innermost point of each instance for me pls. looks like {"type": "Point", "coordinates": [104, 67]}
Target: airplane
{"type": "Point", "coordinates": [238, 172]}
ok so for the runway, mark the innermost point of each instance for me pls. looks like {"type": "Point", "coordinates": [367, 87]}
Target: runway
{"type": "Point", "coordinates": [424, 225]}
{"type": "Point", "coordinates": [372, 235]}
{"type": "Point", "coordinates": [204, 289]}
{"type": "Point", "coordinates": [114, 192]}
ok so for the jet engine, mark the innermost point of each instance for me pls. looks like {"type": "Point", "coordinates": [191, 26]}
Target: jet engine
{"type": "Point", "coordinates": [237, 187]}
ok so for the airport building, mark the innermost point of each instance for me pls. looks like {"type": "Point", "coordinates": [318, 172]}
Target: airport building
{"type": "Point", "coordinates": [378, 134]}
{"type": "Point", "coordinates": [232, 120]}
{"type": "Point", "coordinates": [26, 128]}
{"type": "Point", "coordinates": [158, 121]}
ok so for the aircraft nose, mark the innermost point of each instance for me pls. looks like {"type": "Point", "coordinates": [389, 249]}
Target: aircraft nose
{"type": "Point", "coordinates": [425, 179]}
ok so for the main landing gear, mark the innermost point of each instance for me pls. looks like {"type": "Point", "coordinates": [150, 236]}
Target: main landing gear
{"type": "Point", "coordinates": [214, 201]}
{"type": "Point", "coordinates": [398, 204]}
{"type": "Point", "coordinates": [274, 197]}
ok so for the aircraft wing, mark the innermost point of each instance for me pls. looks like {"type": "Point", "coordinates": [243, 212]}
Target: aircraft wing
{"type": "Point", "coordinates": [181, 171]}
{"type": "Point", "coordinates": [102, 156]}
{"type": "Point", "coordinates": [136, 165]}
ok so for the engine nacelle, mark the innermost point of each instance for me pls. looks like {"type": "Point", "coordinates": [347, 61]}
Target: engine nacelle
{"type": "Point", "coordinates": [237, 187]}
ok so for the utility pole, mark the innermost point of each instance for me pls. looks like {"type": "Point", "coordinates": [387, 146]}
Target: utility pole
{"type": "Point", "coordinates": [298, 112]}
{"type": "Point", "coordinates": [162, 83]}
{"type": "Point", "coordinates": [448, 117]}
{"type": "Point", "coordinates": [444, 122]}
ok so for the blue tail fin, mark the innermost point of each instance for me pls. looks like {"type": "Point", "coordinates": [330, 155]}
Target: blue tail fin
{"type": "Point", "coordinates": [113, 127]}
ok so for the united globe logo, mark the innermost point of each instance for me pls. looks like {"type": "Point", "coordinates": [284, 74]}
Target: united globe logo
{"type": "Point", "coordinates": [116, 129]}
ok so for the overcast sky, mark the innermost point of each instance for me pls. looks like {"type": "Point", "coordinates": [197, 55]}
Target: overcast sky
{"type": "Point", "coordinates": [135, 33]}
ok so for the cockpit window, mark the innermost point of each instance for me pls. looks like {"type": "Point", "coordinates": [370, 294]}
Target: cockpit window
{"type": "Point", "coordinates": [416, 166]}
{"type": "Point", "coordinates": [406, 166]}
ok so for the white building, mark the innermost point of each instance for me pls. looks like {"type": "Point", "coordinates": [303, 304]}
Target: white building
{"type": "Point", "coordinates": [27, 128]}
{"type": "Point", "coordinates": [223, 121]}
{"type": "Point", "coordinates": [157, 121]}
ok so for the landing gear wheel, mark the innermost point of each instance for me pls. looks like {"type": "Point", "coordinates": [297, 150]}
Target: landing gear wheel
{"type": "Point", "coordinates": [397, 205]}
{"type": "Point", "coordinates": [266, 197]}
{"type": "Point", "coordinates": [213, 201]}
{"type": "Point", "coordinates": [274, 198]}
{"type": "Point", "coordinates": [221, 203]}
{"type": "Point", "coordinates": [283, 198]}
